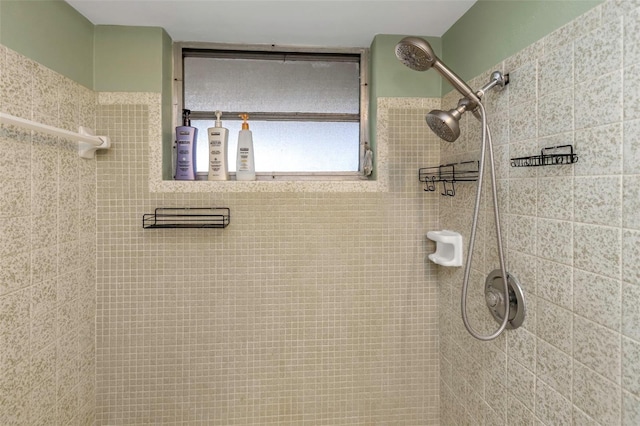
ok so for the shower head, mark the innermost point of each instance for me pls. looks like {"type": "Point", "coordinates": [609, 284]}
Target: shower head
{"type": "Point", "coordinates": [446, 125]}
{"type": "Point", "coordinates": [417, 54]}
{"type": "Point", "coordinates": [443, 124]}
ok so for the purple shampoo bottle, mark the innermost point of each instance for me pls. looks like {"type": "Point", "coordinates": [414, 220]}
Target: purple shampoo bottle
{"type": "Point", "coordinates": [186, 137]}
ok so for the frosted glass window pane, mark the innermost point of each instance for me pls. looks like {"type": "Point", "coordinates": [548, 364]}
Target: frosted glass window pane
{"type": "Point", "coordinates": [289, 146]}
{"type": "Point", "coordinates": [225, 84]}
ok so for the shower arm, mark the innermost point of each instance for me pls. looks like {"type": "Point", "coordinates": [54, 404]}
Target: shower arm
{"type": "Point", "coordinates": [498, 80]}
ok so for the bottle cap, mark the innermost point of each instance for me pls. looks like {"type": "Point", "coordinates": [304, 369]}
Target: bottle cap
{"type": "Point", "coordinates": [245, 117]}
{"type": "Point", "coordinates": [186, 120]}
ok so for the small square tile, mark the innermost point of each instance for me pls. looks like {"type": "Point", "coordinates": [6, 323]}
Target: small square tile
{"type": "Point", "coordinates": [631, 202]}
{"type": "Point", "coordinates": [551, 407]}
{"type": "Point", "coordinates": [14, 347]}
{"type": "Point", "coordinates": [599, 150]}
{"type": "Point", "coordinates": [556, 69]}
{"type": "Point", "coordinates": [521, 383]}
{"type": "Point", "coordinates": [551, 106]}
{"type": "Point", "coordinates": [631, 147]}
{"type": "Point", "coordinates": [597, 200]}
{"type": "Point", "coordinates": [522, 83]}
{"type": "Point", "coordinates": [589, 48]}
{"type": "Point", "coordinates": [631, 93]}
{"type": "Point", "coordinates": [597, 298]}
{"type": "Point", "coordinates": [630, 310]}
{"type": "Point", "coordinates": [15, 236]}
{"type": "Point", "coordinates": [631, 366]}
{"type": "Point", "coordinates": [555, 197]}
{"type": "Point", "coordinates": [597, 347]}
{"type": "Point", "coordinates": [630, 409]}
{"type": "Point", "coordinates": [15, 272]}
{"type": "Point", "coordinates": [521, 346]}
{"type": "Point", "coordinates": [557, 326]}
{"type": "Point", "coordinates": [521, 233]}
{"type": "Point", "coordinates": [589, 109]}
{"type": "Point", "coordinates": [523, 196]}
{"type": "Point", "coordinates": [631, 29]}
{"type": "Point", "coordinates": [523, 267]}
{"type": "Point", "coordinates": [596, 396]}
{"type": "Point", "coordinates": [631, 257]}
{"type": "Point", "coordinates": [14, 310]}
{"type": "Point", "coordinates": [517, 414]}
{"type": "Point", "coordinates": [554, 367]}
{"type": "Point", "coordinates": [597, 249]}
{"type": "Point", "coordinates": [554, 240]}
{"type": "Point", "coordinates": [555, 283]}
{"type": "Point", "coordinates": [522, 121]}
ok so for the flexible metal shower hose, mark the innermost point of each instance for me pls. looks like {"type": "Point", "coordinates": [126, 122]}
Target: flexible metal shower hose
{"type": "Point", "coordinates": [486, 141]}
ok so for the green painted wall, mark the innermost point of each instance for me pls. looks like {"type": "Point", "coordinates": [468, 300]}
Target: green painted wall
{"type": "Point", "coordinates": [51, 33]}
{"type": "Point", "coordinates": [493, 30]}
{"type": "Point", "coordinates": [388, 77]}
{"type": "Point", "coordinates": [104, 58]}
{"type": "Point", "coordinates": [128, 59]}
{"type": "Point", "coordinates": [137, 59]}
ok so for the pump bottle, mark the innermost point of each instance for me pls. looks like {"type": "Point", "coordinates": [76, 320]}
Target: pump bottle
{"type": "Point", "coordinates": [245, 166]}
{"type": "Point", "coordinates": [218, 142]}
{"type": "Point", "coordinates": [186, 137]}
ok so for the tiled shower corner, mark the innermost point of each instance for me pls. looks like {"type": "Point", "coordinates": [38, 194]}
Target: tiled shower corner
{"type": "Point", "coordinates": [48, 251]}
{"type": "Point", "coordinates": [571, 234]}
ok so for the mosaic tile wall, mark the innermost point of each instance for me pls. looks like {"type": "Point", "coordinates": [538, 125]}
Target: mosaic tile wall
{"type": "Point", "coordinates": [310, 308]}
{"type": "Point", "coordinates": [48, 251]}
{"type": "Point", "coordinates": [572, 235]}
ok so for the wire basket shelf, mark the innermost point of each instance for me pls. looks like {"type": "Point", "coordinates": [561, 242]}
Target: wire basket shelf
{"type": "Point", "coordinates": [448, 175]}
{"type": "Point", "coordinates": [550, 156]}
{"type": "Point", "coordinates": [187, 217]}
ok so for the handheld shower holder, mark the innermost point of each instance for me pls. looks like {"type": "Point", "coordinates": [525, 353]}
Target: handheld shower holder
{"type": "Point", "coordinates": [497, 81]}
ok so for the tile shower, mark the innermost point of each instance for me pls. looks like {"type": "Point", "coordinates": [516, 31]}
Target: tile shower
{"type": "Point", "coordinates": [308, 308]}
{"type": "Point", "coordinates": [572, 236]}
{"type": "Point", "coordinates": [48, 252]}
{"type": "Point", "coordinates": [318, 308]}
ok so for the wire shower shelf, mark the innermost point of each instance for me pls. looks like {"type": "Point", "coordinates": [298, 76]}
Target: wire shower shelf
{"type": "Point", "coordinates": [187, 217]}
{"type": "Point", "coordinates": [548, 156]}
{"type": "Point", "coordinates": [448, 175]}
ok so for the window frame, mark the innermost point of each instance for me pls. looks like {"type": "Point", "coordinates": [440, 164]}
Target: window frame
{"type": "Point", "coordinates": [363, 53]}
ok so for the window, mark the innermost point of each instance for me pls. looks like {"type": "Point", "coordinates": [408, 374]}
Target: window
{"type": "Point", "coordinates": [307, 109]}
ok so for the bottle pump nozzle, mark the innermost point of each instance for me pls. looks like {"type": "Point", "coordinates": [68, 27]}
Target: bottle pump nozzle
{"type": "Point", "coordinates": [186, 121]}
{"type": "Point", "coordinates": [245, 117]}
{"type": "Point", "coordinates": [218, 121]}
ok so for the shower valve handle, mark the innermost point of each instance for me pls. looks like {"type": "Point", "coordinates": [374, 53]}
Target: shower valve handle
{"type": "Point", "coordinates": [493, 298]}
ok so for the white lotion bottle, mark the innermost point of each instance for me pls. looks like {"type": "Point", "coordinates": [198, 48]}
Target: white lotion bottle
{"type": "Point", "coordinates": [218, 142]}
{"type": "Point", "coordinates": [245, 166]}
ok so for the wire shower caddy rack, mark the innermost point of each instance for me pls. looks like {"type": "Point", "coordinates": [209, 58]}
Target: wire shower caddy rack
{"type": "Point", "coordinates": [448, 175]}
{"type": "Point", "coordinates": [187, 217]}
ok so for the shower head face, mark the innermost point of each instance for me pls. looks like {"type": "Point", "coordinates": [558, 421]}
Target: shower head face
{"type": "Point", "coordinates": [444, 124]}
{"type": "Point", "coordinates": [415, 53]}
